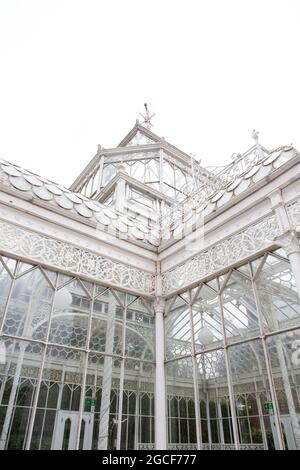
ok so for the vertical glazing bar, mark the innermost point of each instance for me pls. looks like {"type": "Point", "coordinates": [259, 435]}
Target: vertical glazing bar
{"type": "Point", "coordinates": [137, 417]}
{"type": "Point", "coordinates": [208, 421]}
{"type": "Point", "coordinates": [161, 170]}
{"type": "Point", "coordinates": [261, 418]}
{"type": "Point", "coordinates": [229, 379]}
{"type": "Point", "coordinates": [266, 357]}
{"type": "Point", "coordinates": [99, 182]}
{"type": "Point", "coordinates": [232, 402]}
{"type": "Point", "coordinates": [219, 414]}
{"type": "Point", "coordinates": [86, 360]}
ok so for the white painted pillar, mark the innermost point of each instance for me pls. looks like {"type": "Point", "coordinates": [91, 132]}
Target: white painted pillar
{"type": "Point", "coordinates": [195, 380]}
{"type": "Point", "coordinates": [160, 379]}
{"type": "Point", "coordinates": [122, 375]}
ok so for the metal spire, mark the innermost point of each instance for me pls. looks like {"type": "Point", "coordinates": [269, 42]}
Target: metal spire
{"type": "Point", "coordinates": [147, 117]}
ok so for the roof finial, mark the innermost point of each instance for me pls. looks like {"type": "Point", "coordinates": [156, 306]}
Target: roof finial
{"type": "Point", "coordinates": [255, 135]}
{"type": "Point", "coordinates": [147, 117]}
{"type": "Point", "coordinates": [259, 151]}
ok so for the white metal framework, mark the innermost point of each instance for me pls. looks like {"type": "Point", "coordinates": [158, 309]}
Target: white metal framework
{"type": "Point", "coordinates": [155, 303]}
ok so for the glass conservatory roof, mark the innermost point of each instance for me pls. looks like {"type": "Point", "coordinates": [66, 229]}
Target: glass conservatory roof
{"type": "Point", "coordinates": [222, 186]}
{"type": "Point", "coordinates": [213, 190]}
{"type": "Point", "coordinates": [55, 196]}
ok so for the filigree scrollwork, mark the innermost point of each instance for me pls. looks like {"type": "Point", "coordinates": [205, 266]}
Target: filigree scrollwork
{"type": "Point", "coordinates": [222, 255]}
{"type": "Point", "coordinates": [64, 256]}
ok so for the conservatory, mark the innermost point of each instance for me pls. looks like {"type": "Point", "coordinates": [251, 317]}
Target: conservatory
{"type": "Point", "coordinates": [154, 304]}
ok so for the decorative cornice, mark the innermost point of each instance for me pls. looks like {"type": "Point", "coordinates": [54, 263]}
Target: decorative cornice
{"type": "Point", "coordinates": [222, 255]}
{"type": "Point", "coordinates": [67, 257]}
{"type": "Point", "coordinates": [78, 261]}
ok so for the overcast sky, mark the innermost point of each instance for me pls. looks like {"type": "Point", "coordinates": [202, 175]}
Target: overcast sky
{"type": "Point", "coordinates": [75, 74]}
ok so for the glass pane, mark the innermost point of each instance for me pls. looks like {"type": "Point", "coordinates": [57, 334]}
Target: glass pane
{"type": "Point", "coordinates": [67, 432]}
{"type": "Point", "coordinates": [181, 402]}
{"type": "Point", "coordinates": [82, 431]}
{"type": "Point", "coordinates": [239, 308]}
{"type": "Point", "coordinates": [106, 330]}
{"type": "Point", "coordinates": [29, 306]}
{"type": "Point", "coordinates": [70, 316]}
{"type": "Point", "coordinates": [139, 341]}
{"type": "Point", "coordinates": [277, 294]}
{"type": "Point", "coordinates": [137, 404]}
{"type": "Point", "coordinates": [103, 375]}
{"type": "Point", "coordinates": [250, 383]}
{"type": "Point", "coordinates": [207, 319]}
{"type": "Point", "coordinates": [178, 330]}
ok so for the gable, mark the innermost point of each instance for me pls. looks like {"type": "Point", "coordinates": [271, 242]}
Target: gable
{"type": "Point", "coordinates": [139, 135]}
{"type": "Point", "coordinates": [140, 139]}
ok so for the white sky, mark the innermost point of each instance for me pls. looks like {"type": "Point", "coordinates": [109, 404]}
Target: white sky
{"type": "Point", "coordinates": [75, 73]}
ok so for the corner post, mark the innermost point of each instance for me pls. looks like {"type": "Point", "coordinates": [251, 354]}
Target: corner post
{"type": "Point", "coordinates": [160, 377]}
